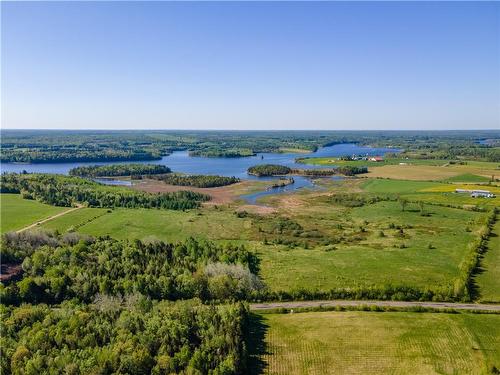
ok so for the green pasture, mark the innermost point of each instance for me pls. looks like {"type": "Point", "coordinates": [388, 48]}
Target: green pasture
{"type": "Point", "coordinates": [17, 213]}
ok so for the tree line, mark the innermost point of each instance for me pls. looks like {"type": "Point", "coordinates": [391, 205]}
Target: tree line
{"type": "Point", "coordinates": [68, 191]}
{"type": "Point", "coordinates": [201, 181]}
{"type": "Point", "coordinates": [119, 170]}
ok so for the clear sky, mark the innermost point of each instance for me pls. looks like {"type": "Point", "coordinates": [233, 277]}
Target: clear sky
{"type": "Point", "coordinates": [221, 65]}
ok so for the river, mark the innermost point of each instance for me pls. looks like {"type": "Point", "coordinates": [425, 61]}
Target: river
{"type": "Point", "coordinates": [180, 161]}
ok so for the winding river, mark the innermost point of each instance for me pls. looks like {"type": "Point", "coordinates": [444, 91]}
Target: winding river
{"type": "Point", "coordinates": [180, 161]}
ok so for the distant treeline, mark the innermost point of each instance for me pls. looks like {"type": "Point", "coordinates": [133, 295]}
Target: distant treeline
{"type": "Point", "coordinates": [129, 335]}
{"type": "Point", "coordinates": [76, 146]}
{"type": "Point", "coordinates": [69, 156]}
{"type": "Point", "coordinates": [279, 170]}
{"type": "Point", "coordinates": [68, 191]}
{"type": "Point", "coordinates": [76, 267]}
{"type": "Point", "coordinates": [119, 170]}
{"type": "Point", "coordinates": [216, 152]}
{"type": "Point", "coordinates": [201, 181]}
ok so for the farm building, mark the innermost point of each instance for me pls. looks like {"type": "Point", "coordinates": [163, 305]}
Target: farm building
{"type": "Point", "coordinates": [476, 193]}
{"type": "Point", "coordinates": [377, 158]}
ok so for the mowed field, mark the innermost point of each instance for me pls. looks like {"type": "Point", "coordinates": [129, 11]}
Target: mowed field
{"type": "Point", "coordinates": [488, 279]}
{"type": "Point", "coordinates": [376, 343]}
{"type": "Point", "coordinates": [18, 213]}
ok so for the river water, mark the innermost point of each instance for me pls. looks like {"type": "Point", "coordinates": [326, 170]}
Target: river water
{"type": "Point", "coordinates": [180, 161]}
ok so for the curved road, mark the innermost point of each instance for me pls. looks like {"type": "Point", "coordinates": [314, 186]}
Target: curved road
{"type": "Point", "coordinates": [347, 303]}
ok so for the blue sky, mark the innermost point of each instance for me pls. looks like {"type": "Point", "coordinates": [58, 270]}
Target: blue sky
{"type": "Point", "coordinates": [222, 65]}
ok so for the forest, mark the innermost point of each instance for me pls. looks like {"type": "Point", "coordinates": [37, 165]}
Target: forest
{"type": "Point", "coordinates": [115, 170]}
{"type": "Point", "coordinates": [71, 146]}
{"type": "Point", "coordinates": [74, 267]}
{"type": "Point", "coordinates": [69, 191]}
{"type": "Point", "coordinates": [129, 335]}
{"type": "Point", "coordinates": [201, 181]}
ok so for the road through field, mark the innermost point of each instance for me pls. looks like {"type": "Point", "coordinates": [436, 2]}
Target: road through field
{"type": "Point", "coordinates": [49, 218]}
{"type": "Point", "coordinates": [397, 304]}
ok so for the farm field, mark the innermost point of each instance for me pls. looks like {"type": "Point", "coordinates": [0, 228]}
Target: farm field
{"type": "Point", "coordinates": [419, 169]}
{"type": "Point", "coordinates": [361, 256]}
{"type": "Point", "coordinates": [376, 342]}
{"type": "Point", "coordinates": [488, 280]}
{"type": "Point", "coordinates": [18, 213]}
{"type": "Point", "coordinates": [168, 225]}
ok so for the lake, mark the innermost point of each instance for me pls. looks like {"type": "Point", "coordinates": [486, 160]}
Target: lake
{"type": "Point", "coordinates": [180, 161]}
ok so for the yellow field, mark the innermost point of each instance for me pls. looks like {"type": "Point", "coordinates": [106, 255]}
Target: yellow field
{"type": "Point", "coordinates": [429, 172]}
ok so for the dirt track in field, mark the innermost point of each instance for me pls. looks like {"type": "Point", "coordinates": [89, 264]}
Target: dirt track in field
{"type": "Point", "coordinates": [49, 218]}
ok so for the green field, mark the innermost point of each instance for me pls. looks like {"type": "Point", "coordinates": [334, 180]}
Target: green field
{"type": "Point", "coordinates": [488, 280]}
{"type": "Point", "coordinates": [18, 213]}
{"type": "Point", "coordinates": [336, 246]}
{"type": "Point", "coordinates": [361, 259]}
{"type": "Point", "coordinates": [169, 225]}
{"type": "Point", "coordinates": [467, 177]}
{"type": "Point", "coordinates": [370, 259]}
{"type": "Point", "coordinates": [396, 186]}
{"type": "Point", "coordinates": [376, 343]}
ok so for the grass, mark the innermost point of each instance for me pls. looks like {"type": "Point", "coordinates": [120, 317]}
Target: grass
{"type": "Point", "coordinates": [168, 225]}
{"type": "Point", "coordinates": [489, 278]}
{"type": "Point", "coordinates": [368, 259]}
{"type": "Point", "coordinates": [467, 177]}
{"type": "Point", "coordinates": [376, 343]}
{"type": "Point", "coordinates": [432, 192]}
{"type": "Point", "coordinates": [384, 186]}
{"type": "Point", "coordinates": [17, 213]}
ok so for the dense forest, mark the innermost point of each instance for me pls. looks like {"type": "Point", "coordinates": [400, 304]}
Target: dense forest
{"type": "Point", "coordinates": [67, 146]}
{"type": "Point", "coordinates": [119, 170]}
{"type": "Point", "coordinates": [79, 268]}
{"type": "Point", "coordinates": [69, 191]}
{"type": "Point", "coordinates": [129, 335]}
{"type": "Point", "coordinates": [201, 181]}
{"type": "Point", "coordinates": [269, 170]}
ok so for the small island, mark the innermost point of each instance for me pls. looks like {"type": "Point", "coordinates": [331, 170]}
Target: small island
{"type": "Point", "coordinates": [281, 170]}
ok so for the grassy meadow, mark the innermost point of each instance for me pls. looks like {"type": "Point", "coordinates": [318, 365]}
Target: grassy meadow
{"type": "Point", "coordinates": [17, 213]}
{"type": "Point", "coordinates": [376, 343]}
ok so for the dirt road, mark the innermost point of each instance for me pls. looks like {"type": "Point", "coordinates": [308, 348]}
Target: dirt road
{"type": "Point", "coordinates": [49, 218]}
{"type": "Point", "coordinates": [334, 303]}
